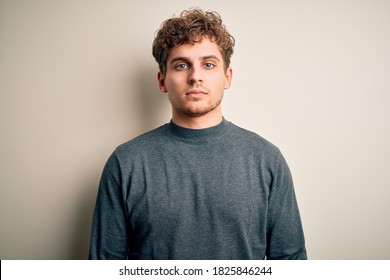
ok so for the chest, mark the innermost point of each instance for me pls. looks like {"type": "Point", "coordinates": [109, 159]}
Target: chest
{"type": "Point", "coordinates": [198, 191]}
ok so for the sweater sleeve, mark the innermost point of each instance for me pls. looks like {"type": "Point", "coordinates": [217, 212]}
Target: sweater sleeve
{"type": "Point", "coordinates": [285, 238]}
{"type": "Point", "coordinates": [109, 238]}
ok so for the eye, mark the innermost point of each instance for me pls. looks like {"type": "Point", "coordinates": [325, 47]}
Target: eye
{"type": "Point", "coordinates": [181, 66]}
{"type": "Point", "coordinates": [209, 65]}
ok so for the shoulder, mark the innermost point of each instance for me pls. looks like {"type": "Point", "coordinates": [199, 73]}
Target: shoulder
{"type": "Point", "coordinates": [253, 141]}
{"type": "Point", "coordinates": [263, 151]}
{"type": "Point", "coordinates": [143, 142]}
{"type": "Point", "coordinates": [259, 151]}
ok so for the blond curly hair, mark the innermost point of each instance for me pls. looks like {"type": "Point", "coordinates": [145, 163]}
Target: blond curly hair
{"type": "Point", "coordinates": [189, 28]}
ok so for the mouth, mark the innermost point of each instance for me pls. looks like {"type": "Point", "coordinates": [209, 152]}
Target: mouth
{"type": "Point", "coordinates": [196, 93]}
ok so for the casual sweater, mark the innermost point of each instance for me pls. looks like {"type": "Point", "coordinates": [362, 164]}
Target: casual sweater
{"type": "Point", "coordinates": [216, 193]}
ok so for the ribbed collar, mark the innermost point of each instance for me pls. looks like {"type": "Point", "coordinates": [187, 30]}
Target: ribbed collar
{"type": "Point", "coordinates": [198, 135]}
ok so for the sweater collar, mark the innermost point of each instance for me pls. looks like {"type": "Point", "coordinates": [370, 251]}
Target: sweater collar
{"type": "Point", "coordinates": [195, 135]}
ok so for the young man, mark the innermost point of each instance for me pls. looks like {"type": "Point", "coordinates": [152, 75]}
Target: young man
{"type": "Point", "coordinates": [198, 187]}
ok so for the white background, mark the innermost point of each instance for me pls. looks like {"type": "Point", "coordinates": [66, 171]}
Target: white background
{"type": "Point", "coordinates": [77, 78]}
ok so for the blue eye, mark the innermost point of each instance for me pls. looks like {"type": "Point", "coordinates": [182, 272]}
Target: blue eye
{"type": "Point", "coordinates": [209, 65]}
{"type": "Point", "coordinates": [181, 66]}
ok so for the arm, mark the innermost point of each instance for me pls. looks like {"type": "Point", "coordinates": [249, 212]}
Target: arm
{"type": "Point", "coordinates": [285, 238]}
{"type": "Point", "coordinates": [109, 239]}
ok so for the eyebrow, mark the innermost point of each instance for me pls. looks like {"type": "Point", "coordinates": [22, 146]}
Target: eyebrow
{"type": "Point", "coordinates": [186, 59]}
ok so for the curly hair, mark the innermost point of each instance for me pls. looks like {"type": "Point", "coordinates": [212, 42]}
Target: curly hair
{"type": "Point", "coordinates": [190, 28]}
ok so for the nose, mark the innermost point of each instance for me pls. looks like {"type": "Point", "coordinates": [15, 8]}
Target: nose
{"type": "Point", "coordinates": [195, 75]}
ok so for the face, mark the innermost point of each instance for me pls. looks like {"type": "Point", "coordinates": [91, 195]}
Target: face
{"type": "Point", "coordinates": [195, 79]}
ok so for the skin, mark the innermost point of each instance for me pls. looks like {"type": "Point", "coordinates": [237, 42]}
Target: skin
{"type": "Point", "coordinates": [195, 82]}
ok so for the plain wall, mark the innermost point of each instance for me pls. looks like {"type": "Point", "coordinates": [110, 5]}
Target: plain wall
{"type": "Point", "coordinates": [77, 79]}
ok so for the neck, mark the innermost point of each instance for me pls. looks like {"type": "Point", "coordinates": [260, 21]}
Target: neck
{"type": "Point", "coordinates": [205, 121]}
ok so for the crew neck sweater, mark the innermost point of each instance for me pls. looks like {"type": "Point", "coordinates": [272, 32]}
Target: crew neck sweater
{"type": "Point", "coordinates": [177, 193]}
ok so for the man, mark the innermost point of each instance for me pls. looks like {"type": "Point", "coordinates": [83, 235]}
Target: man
{"type": "Point", "coordinates": [198, 187]}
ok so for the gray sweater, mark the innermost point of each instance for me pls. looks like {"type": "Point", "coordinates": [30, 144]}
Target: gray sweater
{"type": "Point", "coordinates": [216, 193]}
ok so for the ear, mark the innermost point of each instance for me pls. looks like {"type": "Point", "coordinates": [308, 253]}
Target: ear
{"type": "Point", "coordinates": [161, 82]}
{"type": "Point", "coordinates": [228, 77]}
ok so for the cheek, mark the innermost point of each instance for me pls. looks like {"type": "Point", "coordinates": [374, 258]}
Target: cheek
{"type": "Point", "coordinates": [219, 78]}
{"type": "Point", "coordinates": [175, 82]}
{"type": "Point", "coordinates": [220, 83]}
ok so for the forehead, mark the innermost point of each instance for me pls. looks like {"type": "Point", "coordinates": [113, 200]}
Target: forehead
{"type": "Point", "coordinates": [196, 51]}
